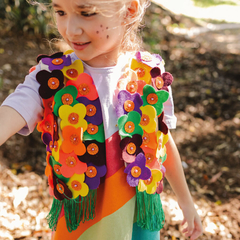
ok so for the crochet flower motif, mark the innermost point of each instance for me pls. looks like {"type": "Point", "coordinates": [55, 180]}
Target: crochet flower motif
{"type": "Point", "coordinates": [50, 82]}
{"type": "Point", "coordinates": [150, 185]}
{"type": "Point", "coordinates": [77, 186]}
{"type": "Point", "coordinates": [129, 124]}
{"type": "Point", "coordinates": [137, 170]}
{"type": "Point", "coordinates": [160, 184]}
{"type": "Point", "coordinates": [131, 147]}
{"type": "Point", "coordinates": [149, 140]}
{"type": "Point", "coordinates": [56, 166]}
{"type": "Point", "coordinates": [71, 164]}
{"type": "Point", "coordinates": [55, 148]}
{"type": "Point", "coordinates": [142, 70]}
{"type": "Point", "coordinates": [73, 140]}
{"type": "Point", "coordinates": [161, 81]}
{"type": "Point", "coordinates": [47, 139]}
{"type": "Point", "coordinates": [148, 122]}
{"type": "Point", "coordinates": [73, 116]}
{"type": "Point", "coordinates": [46, 125]}
{"type": "Point", "coordinates": [55, 61]}
{"type": "Point", "coordinates": [48, 105]}
{"type": "Point", "coordinates": [129, 81]}
{"type": "Point", "coordinates": [48, 169]}
{"type": "Point", "coordinates": [128, 102]}
{"type": "Point", "coordinates": [95, 153]}
{"type": "Point", "coordinates": [162, 125]}
{"type": "Point", "coordinates": [149, 59]}
{"type": "Point", "coordinates": [94, 132]}
{"type": "Point", "coordinates": [61, 189]}
{"type": "Point", "coordinates": [162, 140]}
{"type": "Point", "coordinates": [151, 159]}
{"type": "Point", "coordinates": [66, 96]}
{"type": "Point", "coordinates": [85, 86]}
{"type": "Point", "coordinates": [71, 72]}
{"type": "Point", "coordinates": [94, 112]}
{"type": "Point", "coordinates": [93, 175]}
{"type": "Point", "coordinates": [154, 98]}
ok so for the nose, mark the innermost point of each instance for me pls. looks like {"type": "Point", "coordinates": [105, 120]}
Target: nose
{"type": "Point", "coordinates": [74, 27]}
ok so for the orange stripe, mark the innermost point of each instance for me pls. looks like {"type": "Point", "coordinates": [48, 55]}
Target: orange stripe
{"type": "Point", "coordinates": [111, 196]}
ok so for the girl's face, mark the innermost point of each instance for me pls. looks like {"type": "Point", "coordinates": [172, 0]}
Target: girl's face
{"type": "Point", "coordinates": [95, 38]}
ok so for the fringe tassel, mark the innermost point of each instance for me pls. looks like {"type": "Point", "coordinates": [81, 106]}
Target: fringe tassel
{"type": "Point", "coordinates": [150, 213]}
{"type": "Point", "coordinates": [53, 215]}
{"type": "Point", "coordinates": [75, 210]}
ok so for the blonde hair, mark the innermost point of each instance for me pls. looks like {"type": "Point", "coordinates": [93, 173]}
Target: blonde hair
{"type": "Point", "coordinates": [131, 40]}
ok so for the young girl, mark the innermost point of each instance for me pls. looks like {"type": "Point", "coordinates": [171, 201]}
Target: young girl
{"type": "Point", "coordinates": [104, 109]}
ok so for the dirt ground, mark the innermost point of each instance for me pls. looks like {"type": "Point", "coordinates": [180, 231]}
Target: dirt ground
{"type": "Point", "coordinates": [206, 93]}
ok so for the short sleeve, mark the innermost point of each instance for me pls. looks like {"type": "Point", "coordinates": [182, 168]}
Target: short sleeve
{"type": "Point", "coordinates": [169, 117]}
{"type": "Point", "coordinates": [27, 102]}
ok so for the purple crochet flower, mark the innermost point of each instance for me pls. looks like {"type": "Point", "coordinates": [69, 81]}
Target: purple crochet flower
{"type": "Point", "coordinates": [94, 112]}
{"type": "Point", "coordinates": [93, 175]}
{"type": "Point", "coordinates": [137, 170]}
{"type": "Point", "coordinates": [47, 138]}
{"type": "Point", "coordinates": [56, 61]}
{"type": "Point", "coordinates": [128, 102]}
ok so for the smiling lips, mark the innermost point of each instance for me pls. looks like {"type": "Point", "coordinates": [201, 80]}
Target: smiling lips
{"type": "Point", "coordinates": [80, 46]}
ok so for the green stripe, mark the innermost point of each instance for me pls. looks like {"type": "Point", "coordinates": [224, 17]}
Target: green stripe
{"type": "Point", "coordinates": [117, 226]}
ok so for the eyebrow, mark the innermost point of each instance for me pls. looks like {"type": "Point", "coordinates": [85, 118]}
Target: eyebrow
{"type": "Point", "coordinates": [84, 6]}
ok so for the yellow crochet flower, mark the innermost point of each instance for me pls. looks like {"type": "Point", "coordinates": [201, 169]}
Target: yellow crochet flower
{"type": "Point", "coordinates": [150, 185]}
{"type": "Point", "coordinates": [73, 116]}
{"type": "Point", "coordinates": [77, 186]}
{"type": "Point", "coordinates": [71, 72]}
{"type": "Point", "coordinates": [148, 122]}
{"type": "Point", "coordinates": [142, 70]}
{"type": "Point", "coordinates": [55, 148]}
{"type": "Point", "coordinates": [162, 140]}
{"type": "Point", "coordinates": [68, 52]}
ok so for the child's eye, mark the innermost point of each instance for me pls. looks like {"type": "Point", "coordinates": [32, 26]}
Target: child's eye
{"type": "Point", "coordinates": [88, 14]}
{"type": "Point", "coordinates": [60, 13]}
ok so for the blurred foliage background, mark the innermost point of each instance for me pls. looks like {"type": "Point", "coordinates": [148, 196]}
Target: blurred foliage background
{"type": "Point", "coordinates": [27, 17]}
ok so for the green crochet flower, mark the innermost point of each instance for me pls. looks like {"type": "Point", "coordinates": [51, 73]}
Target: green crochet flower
{"type": "Point", "coordinates": [154, 98]}
{"type": "Point", "coordinates": [129, 125]}
{"type": "Point", "coordinates": [66, 96]}
{"type": "Point", "coordinates": [57, 169]}
{"type": "Point", "coordinates": [94, 132]}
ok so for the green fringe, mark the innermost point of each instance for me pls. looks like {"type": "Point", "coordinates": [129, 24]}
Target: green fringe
{"type": "Point", "coordinates": [52, 217]}
{"type": "Point", "coordinates": [150, 213]}
{"type": "Point", "coordinates": [76, 210]}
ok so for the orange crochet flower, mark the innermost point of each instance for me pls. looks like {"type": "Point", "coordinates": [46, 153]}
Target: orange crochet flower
{"type": "Point", "coordinates": [73, 140]}
{"type": "Point", "coordinates": [149, 140]}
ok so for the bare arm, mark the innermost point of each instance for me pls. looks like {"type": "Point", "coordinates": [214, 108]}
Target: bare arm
{"type": "Point", "coordinates": [10, 123]}
{"type": "Point", "coordinates": [176, 179]}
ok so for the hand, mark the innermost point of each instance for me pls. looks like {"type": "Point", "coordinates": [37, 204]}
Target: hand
{"type": "Point", "coordinates": [194, 226]}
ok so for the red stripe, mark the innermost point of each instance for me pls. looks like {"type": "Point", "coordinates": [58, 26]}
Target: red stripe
{"type": "Point", "coordinates": [113, 154]}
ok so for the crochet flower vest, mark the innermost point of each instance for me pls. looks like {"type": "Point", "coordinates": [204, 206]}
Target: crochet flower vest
{"type": "Point", "coordinates": [73, 132]}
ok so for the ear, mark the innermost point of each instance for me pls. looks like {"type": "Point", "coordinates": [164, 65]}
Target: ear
{"type": "Point", "coordinates": [132, 9]}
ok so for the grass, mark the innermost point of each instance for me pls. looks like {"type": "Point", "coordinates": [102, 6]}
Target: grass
{"type": "Point", "coordinates": [209, 3]}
